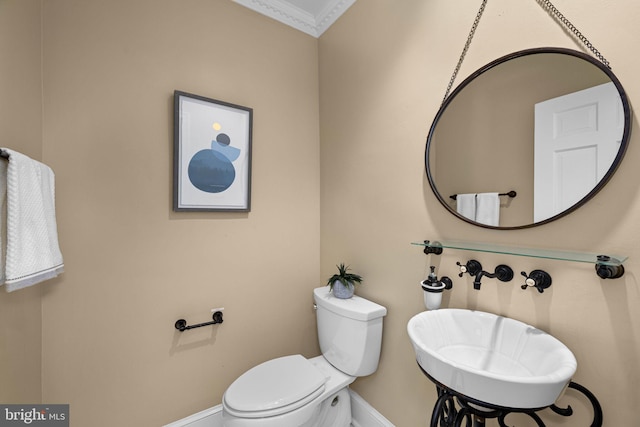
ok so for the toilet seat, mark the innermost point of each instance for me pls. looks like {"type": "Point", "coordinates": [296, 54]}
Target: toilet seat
{"type": "Point", "coordinates": [274, 387]}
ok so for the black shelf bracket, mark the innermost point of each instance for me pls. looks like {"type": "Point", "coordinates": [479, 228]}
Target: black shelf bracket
{"type": "Point", "coordinates": [432, 248]}
{"type": "Point", "coordinates": [608, 271]}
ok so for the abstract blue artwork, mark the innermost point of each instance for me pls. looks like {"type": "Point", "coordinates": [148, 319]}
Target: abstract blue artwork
{"type": "Point", "coordinates": [212, 154]}
{"type": "Point", "coordinates": [212, 170]}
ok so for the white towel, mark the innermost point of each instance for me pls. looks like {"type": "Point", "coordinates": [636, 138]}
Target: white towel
{"type": "Point", "coordinates": [3, 217]}
{"type": "Point", "coordinates": [466, 205]}
{"type": "Point", "coordinates": [32, 252]}
{"type": "Point", "coordinates": [488, 209]}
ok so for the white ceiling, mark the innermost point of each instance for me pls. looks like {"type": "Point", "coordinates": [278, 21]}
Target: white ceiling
{"type": "Point", "coordinates": [310, 16]}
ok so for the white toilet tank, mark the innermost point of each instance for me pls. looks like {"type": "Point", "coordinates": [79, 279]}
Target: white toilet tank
{"type": "Point", "coordinates": [349, 332]}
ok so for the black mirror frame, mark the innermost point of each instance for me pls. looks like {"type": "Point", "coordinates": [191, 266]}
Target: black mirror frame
{"type": "Point", "coordinates": [618, 159]}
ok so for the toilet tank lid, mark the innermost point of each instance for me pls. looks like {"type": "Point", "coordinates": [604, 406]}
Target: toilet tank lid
{"type": "Point", "coordinates": [355, 307]}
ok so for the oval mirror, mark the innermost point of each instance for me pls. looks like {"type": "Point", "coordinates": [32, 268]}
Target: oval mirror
{"type": "Point", "coordinates": [549, 124]}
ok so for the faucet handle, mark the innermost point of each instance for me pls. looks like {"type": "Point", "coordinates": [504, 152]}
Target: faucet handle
{"type": "Point", "coordinates": [528, 282]}
{"type": "Point", "coordinates": [463, 268]}
{"type": "Point", "coordinates": [538, 279]}
{"type": "Point", "coordinates": [472, 267]}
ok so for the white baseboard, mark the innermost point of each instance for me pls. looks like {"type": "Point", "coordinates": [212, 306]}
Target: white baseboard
{"type": "Point", "coordinates": [211, 417]}
{"type": "Point", "coordinates": [363, 415]}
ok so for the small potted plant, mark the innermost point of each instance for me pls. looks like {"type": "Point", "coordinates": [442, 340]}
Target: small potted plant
{"type": "Point", "coordinates": [343, 283]}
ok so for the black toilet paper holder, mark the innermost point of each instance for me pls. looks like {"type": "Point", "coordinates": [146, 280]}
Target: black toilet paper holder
{"type": "Point", "coordinates": [181, 324]}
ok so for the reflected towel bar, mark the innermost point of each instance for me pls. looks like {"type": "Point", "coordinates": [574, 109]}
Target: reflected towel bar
{"type": "Point", "coordinates": [511, 194]}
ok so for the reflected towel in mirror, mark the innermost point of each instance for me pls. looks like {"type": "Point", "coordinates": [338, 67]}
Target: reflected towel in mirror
{"type": "Point", "coordinates": [488, 209]}
{"type": "Point", "coordinates": [482, 207]}
{"type": "Point", "coordinates": [466, 205]}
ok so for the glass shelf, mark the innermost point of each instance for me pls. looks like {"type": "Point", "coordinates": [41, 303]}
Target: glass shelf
{"type": "Point", "coordinates": [604, 259]}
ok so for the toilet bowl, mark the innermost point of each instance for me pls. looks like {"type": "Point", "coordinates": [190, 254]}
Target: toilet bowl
{"type": "Point", "coordinates": [293, 391]}
{"type": "Point", "coordinates": [288, 391]}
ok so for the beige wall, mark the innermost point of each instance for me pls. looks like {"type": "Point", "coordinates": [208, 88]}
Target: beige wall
{"type": "Point", "coordinates": [133, 266]}
{"type": "Point", "coordinates": [384, 67]}
{"type": "Point", "coordinates": [20, 129]}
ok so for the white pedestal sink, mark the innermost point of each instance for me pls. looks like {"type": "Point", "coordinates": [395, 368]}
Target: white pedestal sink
{"type": "Point", "coordinates": [491, 358]}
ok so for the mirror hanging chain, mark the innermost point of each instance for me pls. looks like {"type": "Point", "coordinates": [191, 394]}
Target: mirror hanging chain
{"type": "Point", "coordinates": [545, 4]}
{"type": "Point", "coordinates": [465, 49]}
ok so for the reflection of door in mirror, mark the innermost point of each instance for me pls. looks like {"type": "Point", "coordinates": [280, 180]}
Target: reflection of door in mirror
{"type": "Point", "coordinates": [577, 137]}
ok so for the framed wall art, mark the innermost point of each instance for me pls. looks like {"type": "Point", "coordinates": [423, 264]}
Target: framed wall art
{"type": "Point", "coordinates": [212, 155]}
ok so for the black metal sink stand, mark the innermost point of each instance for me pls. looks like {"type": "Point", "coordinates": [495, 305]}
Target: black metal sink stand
{"type": "Point", "coordinates": [452, 409]}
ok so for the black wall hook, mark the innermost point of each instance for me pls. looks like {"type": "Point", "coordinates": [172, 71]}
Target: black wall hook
{"type": "Point", "coordinates": [182, 326]}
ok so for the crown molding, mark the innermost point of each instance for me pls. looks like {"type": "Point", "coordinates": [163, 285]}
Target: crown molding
{"type": "Point", "coordinates": [288, 13]}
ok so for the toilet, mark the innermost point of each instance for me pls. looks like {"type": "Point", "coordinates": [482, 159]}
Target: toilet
{"type": "Point", "coordinates": [293, 391]}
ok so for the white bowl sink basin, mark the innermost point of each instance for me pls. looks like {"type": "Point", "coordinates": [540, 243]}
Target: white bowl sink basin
{"type": "Point", "coordinates": [491, 358]}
